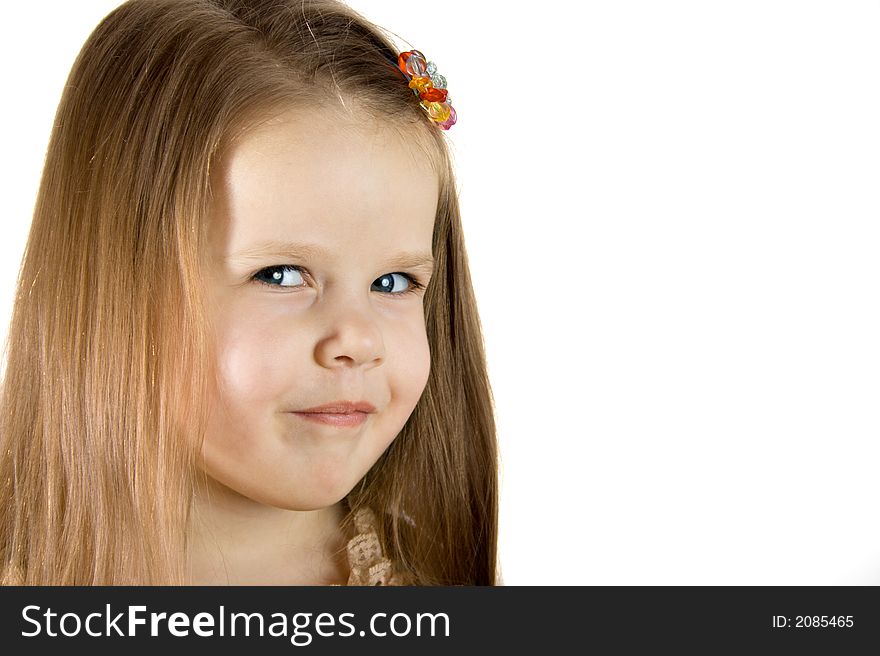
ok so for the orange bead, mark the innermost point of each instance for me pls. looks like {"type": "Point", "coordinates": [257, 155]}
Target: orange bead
{"type": "Point", "coordinates": [434, 95]}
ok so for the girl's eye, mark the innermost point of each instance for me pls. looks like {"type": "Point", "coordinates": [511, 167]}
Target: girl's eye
{"type": "Point", "coordinates": [291, 276]}
{"type": "Point", "coordinates": [276, 276]}
{"type": "Point", "coordinates": [395, 283]}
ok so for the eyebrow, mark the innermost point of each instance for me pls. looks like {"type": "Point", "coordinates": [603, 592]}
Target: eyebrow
{"type": "Point", "coordinates": [305, 252]}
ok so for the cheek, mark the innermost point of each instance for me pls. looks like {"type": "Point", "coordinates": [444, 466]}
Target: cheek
{"type": "Point", "coordinates": [251, 361]}
{"type": "Point", "coordinates": [412, 365]}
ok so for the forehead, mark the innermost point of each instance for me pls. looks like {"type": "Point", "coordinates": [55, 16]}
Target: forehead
{"type": "Point", "coordinates": [311, 177]}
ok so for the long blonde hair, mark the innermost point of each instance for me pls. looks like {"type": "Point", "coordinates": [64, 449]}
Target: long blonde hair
{"type": "Point", "coordinates": [108, 352]}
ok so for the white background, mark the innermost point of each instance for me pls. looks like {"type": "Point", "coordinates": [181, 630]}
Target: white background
{"type": "Point", "coordinates": [673, 221]}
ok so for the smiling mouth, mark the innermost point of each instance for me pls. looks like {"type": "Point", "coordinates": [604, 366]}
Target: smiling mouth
{"type": "Point", "coordinates": [343, 414]}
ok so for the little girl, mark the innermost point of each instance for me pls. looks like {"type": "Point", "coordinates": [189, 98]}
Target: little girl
{"type": "Point", "coordinates": [245, 347]}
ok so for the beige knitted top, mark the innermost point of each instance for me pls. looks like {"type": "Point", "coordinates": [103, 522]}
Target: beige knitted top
{"type": "Point", "coordinates": [368, 564]}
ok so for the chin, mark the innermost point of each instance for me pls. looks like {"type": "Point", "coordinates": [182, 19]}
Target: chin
{"type": "Point", "coordinates": [314, 499]}
{"type": "Point", "coordinates": [307, 504]}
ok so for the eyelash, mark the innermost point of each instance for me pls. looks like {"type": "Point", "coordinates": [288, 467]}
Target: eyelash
{"type": "Point", "coordinates": [414, 285]}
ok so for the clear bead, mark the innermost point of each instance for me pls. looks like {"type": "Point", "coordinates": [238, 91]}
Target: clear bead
{"type": "Point", "coordinates": [415, 64]}
{"type": "Point", "coordinates": [438, 81]}
{"type": "Point", "coordinates": [431, 67]}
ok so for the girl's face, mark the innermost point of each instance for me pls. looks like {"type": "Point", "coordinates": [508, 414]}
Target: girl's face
{"type": "Point", "coordinates": [320, 244]}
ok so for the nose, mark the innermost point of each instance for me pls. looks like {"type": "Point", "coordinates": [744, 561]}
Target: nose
{"type": "Point", "coordinates": [352, 338]}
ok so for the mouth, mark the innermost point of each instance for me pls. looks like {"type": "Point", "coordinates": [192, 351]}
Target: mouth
{"type": "Point", "coordinates": [338, 413]}
{"type": "Point", "coordinates": [341, 408]}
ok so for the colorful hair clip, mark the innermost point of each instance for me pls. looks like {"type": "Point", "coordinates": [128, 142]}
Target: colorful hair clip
{"type": "Point", "coordinates": [429, 86]}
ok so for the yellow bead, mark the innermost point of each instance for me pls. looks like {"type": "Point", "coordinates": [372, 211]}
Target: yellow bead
{"type": "Point", "coordinates": [438, 111]}
{"type": "Point", "coordinates": [420, 84]}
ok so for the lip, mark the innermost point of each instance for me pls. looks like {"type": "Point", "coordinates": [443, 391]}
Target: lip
{"type": "Point", "coordinates": [338, 413]}
{"type": "Point", "coordinates": [340, 408]}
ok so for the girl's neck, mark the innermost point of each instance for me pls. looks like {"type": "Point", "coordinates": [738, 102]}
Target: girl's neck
{"type": "Point", "coordinates": [234, 540]}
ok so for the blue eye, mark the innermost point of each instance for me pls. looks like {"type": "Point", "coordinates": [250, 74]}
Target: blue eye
{"type": "Point", "coordinates": [394, 283]}
{"type": "Point", "coordinates": [276, 275]}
